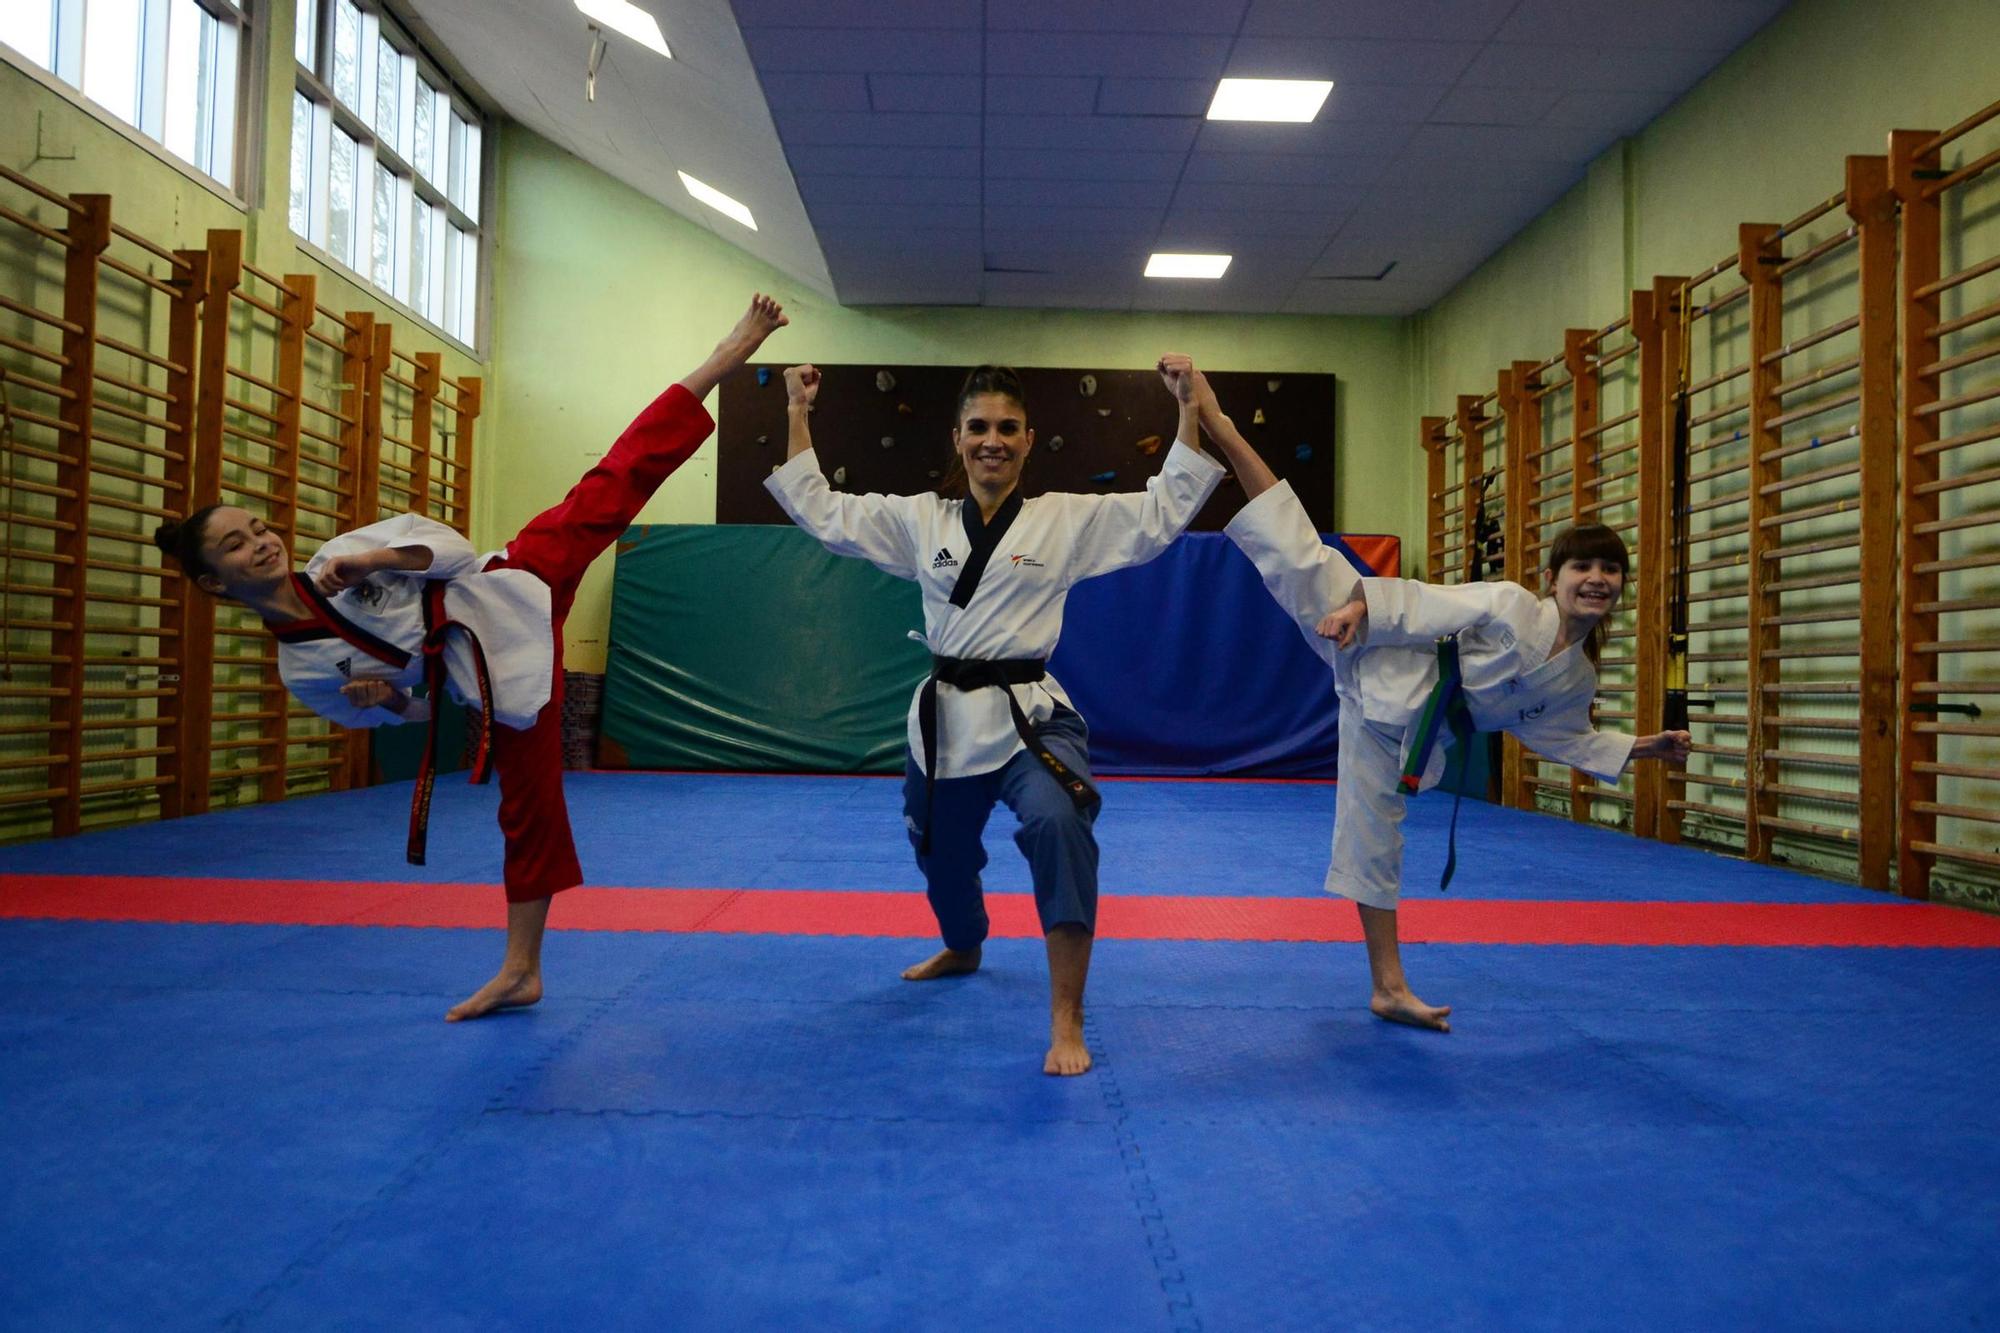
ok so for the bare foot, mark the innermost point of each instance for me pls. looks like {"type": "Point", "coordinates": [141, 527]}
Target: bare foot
{"type": "Point", "coordinates": [764, 318]}
{"type": "Point", "coordinates": [944, 963]}
{"type": "Point", "coordinates": [1068, 1056]}
{"type": "Point", "coordinates": [1404, 1007]}
{"type": "Point", "coordinates": [510, 989]}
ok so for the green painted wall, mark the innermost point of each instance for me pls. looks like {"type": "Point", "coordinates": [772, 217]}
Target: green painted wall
{"type": "Point", "coordinates": [601, 297]}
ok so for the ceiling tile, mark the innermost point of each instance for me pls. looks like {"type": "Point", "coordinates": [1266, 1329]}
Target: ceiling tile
{"type": "Point", "coordinates": [1714, 26]}
{"type": "Point", "coordinates": [898, 14]}
{"type": "Point", "coordinates": [1285, 168]}
{"type": "Point", "coordinates": [1615, 113]}
{"type": "Point", "coordinates": [1220, 17]}
{"type": "Point", "coordinates": [1465, 20]}
{"type": "Point", "coordinates": [1495, 106]}
{"type": "Point", "coordinates": [1132, 223]}
{"type": "Point", "coordinates": [914, 189]}
{"type": "Point", "coordinates": [1156, 97]}
{"type": "Point", "coordinates": [816, 92]}
{"type": "Point", "coordinates": [1106, 133]}
{"type": "Point", "coordinates": [895, 215]}
{"type": "Point", "coordinates": [1343, 59]}
{"type": "Point", "coordinates": [1129, 56]}
{"type": "Point", "coordinates": [1257, 222]}
{"type": "Point", "coordinates": [1321, 138]}
{"type": "Point", "coordinates": [1327, 199]}
{"type": "Point", "coordinates": [801, 129]}
{"type": "Point", "coordinates": [923, 92]}
{"type": "Point", "coordinates": [887, 160]}
{"type": "Point", "coordinates": [1075, 95]}
{"type": "Point", "coordinates": [859, 51]}
{"type": "Point", "coordinates": [1595, 68]}
{"type": "Point", "coordinates": [1066, 164]}
{"type": "Point", "coordinates": [1082, 193]}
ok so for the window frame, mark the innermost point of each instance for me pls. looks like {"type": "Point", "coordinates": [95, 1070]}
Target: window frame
{"type": "Point", "coordinates": [63, 76]}
{"type": "Point", "coordinates": [416, 186]}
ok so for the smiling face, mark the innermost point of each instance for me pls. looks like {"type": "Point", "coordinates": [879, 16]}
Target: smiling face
{"type": "Point", "coordinates": [993, 441]}
{"type": "Point", "coordinates": [244, 556]}
{"type": "Point", "coordinates": [1587, 587]}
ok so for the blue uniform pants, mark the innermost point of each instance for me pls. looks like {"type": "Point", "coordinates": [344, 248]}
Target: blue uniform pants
{"type": "Point", "coordinates": [1054, 834]}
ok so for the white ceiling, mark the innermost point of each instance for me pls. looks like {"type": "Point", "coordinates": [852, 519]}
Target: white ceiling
{"type": "Point", "coordinates": [1033, 152]}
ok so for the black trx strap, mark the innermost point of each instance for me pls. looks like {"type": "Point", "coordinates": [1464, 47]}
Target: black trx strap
{"type": "Point", "coordinates": [1674, 709]}
{"type": "Point", "coordinates": [1445, 708]}
{"type": "Point", "coordinates": [966, 674]}
{"type": "Point", "coordinates": [438, 627]}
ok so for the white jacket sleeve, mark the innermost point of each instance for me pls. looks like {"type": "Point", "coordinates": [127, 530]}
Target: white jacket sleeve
{"type": "Point", "coordinates": [1567, 738]}
{"type": "Point", "coordinates": [1406, 613]}
{"type": "Point", "coordinates": [881, 529]}
{"type": "Point", "coordinates": [1307, 577]}
{"type": "Point", "coordinates": [1119, 531]}
{"type": "Point", "coordinates": [451, 554]}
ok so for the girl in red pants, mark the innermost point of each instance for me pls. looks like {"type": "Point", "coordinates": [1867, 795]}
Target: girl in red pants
{"type": "Point", "coordinates": [408, 601]}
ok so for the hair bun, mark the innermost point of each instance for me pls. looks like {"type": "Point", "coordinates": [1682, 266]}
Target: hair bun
{"type": "Point", "coordinates": [167, 536]}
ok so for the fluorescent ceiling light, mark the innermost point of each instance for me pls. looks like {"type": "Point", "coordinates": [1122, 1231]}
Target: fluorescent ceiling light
{"type": "Point", "coordinates": [1187, 266]}
{"type": "Point", "coordinates": [718, 201]}
{"type": "Point", "coordinates": [623, 16]}
{"type": "Point", "coordinates": [1295, 100]}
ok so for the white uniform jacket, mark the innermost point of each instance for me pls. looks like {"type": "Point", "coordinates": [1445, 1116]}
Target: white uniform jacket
{"type": "Point", "coordinates": [375, 629]}
{"type": "Point", "coordinates": [1055, 541]}
{"type": "Point", "coordinates": [1504, 636]}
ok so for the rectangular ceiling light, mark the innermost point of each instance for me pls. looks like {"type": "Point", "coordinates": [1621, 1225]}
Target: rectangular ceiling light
{"type": "Point", "coordinates": [622, 16]}
{"type": "Point", "coordinates": [718, 201]}
{"type": "Point", "coordinates": [1293, 100]}
{"type": "Point", "coordinates": [1187, 266]}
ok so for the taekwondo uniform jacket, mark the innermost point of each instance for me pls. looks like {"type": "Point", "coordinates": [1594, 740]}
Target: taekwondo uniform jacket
{"type": "Point", "coordinates": [1055, 541]}
{"type": "Point", "coordinates": [375, 629]}
{"type": "Point", "coordinates": [1504, 635]}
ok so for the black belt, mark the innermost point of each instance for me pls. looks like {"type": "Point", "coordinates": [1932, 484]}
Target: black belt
{"type": "Point", "coordinates": [970, 674]}
{"type": "Point", "coordinates": [439, 627]}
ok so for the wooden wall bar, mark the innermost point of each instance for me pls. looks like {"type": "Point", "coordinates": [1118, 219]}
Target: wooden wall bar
{"type": "Point", "coordinates": [1842, 522]}
{"type": "Point", "coordinates": [1948, 746]}
{"type": "Point", "coordinates": [139, 383]}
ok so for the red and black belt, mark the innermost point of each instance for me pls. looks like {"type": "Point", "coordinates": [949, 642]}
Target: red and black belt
{"type": "Point", "coordinates": [438, 629]}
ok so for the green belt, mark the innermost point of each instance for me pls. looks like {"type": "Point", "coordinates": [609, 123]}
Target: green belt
{"type": "Point", "coordinates": [1446, 707]}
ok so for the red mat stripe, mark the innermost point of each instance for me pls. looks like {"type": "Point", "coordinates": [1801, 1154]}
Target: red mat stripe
{"type": "Point", "coordinates": [1888, 923]}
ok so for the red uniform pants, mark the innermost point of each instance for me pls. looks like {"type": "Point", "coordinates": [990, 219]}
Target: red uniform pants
{"type": "Point", "coordinates": [557, 546]}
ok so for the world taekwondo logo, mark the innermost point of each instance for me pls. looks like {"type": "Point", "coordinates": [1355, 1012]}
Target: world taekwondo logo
{"type": "Point", "coordinates": [944, 559]}
{"type": "Point", "coordinates": [1028, 562]}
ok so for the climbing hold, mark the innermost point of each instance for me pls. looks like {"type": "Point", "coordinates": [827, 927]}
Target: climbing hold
{"type": "Point", "coordinates": [905, 409]}
{"type": "Point", "coordinates": [840, 476]}
{"type": "Point", "coordinates": [1149, 445]}
{"type": "Point", "coordinates": [1055, 444]}
{"type": "Point", "coordinates": [888, 442]}
{"type": "Point", "coordinates": [884, 381]}
{"type": "Point", "coordinates": [1257, 418]}
{"type": "Point", "coordinates": [1303, 453]}
{"type": "Point", "coordinates": [1105, 478]}
{"type": "Point", "coordinates": [763, 439]}
{"type": "Point", "coordinates": [934, 474]}
{"type": "Point", "coordinates": [763, 376]}
{"type": "Point", "coordinates": [1272, 385]}
{"type": "Point", "coordinates": [1087, 385]}
{"type": "Point", "coordinates": [1104, 411]}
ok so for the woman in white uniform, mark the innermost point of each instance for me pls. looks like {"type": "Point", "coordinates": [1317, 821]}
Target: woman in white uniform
{"type": "Point", "coordinates": [1524, 664]}
{"type": "Point", "coordinates": [990, 724]}
{"type": "Point", "coordinates": [407, 601]}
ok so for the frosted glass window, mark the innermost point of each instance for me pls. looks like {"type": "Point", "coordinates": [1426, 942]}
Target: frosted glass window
{"type": "Point", "coordinates": [29, 27]}
{"type": "Point", "coordinates": [420, 261]}
{"type": "Point", "coordinates": [305, 37]}
{"type": "Point", "coordinates": [340, 199]}
{"type": "Point", "coordinates": [382, 270]}
{"type": "Point", "coordinates": [347, 53]}
{"type": "Point", "coordinates": [302, 164]}
{"type": "Point", "coordinates": [185, 82]}
{"type": "Point", "coordinates": [468, 301]}
{"type": "Point", "coordinates": [455, 189]}
{"type": "Point", "coordinates": [388, 92]}
{"type": "Point", "coordinates": [470, 203]}
{"type": "Point", "coordinates": [111, 57]}
{"type": "Point", "coordinates": [423, 148]}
